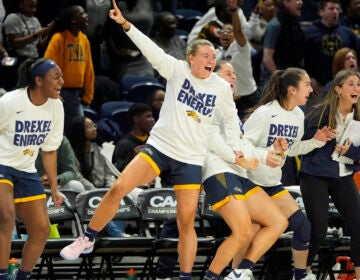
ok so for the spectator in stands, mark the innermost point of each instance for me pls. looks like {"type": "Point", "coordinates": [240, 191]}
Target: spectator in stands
{"type": "Point", "coordinates": [97, 12]}
{"type": "Point", "coordinates": [94, 168]}
{"type": "Point", "coordinates": [344, 59]}
{"type": "Point", "coordinates": [30, 118]}
{"type": "Point", "coordinates": [263, 12]}
{"type": "Point", "coordinates": [236, 49]}
{"type": "Point", "coordinates": [283, 36]}
{"type": "Point", "coordinates": [351, 15]}
{"type": "Point", "coordinates": [90, 161]}
{"type": "Point", "coordinates": [323, 38]}
{"type": "Point", "coordinates": [156, 100]}
{"type": "Point", "coordinates": [124, 57]}
{"type": "Point", "coordinates": [70, 48]}
{"type": "Point", "coordinates": [24, 35]}
{"type": "Point", "coordinates": [278, 109]}
{"type": "Point", "coordinates": [131, 144]}
{"type": "Point", "coordinates": [323, 174]}
{"type": "Point", "coordinates": [3, 51]}
{"type": "Point", "coordinates": [177, 141]}
{"type": "Point", "coordinates": [211, 30]}
{"type": "Point", "coordinates": [212, 15]}
{"type": "Point", "coordinates": [66, 168]}
{"type": "Point", "coordinates": [166, 38]}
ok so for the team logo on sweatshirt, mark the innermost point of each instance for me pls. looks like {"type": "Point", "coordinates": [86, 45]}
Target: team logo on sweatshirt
{"type": "Point", "coordinates": [193, 115]}
{"type": "Point", "coordinates": [202, 103]}
{"type": "Point", "coordinates": [31, 133]}
{"type": "Point", "coordinates": [28, 152]}
{"type": "Point", "coordinates": [290, 132]}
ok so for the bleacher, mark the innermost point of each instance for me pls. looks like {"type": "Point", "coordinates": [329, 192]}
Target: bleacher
{"type": "Point", "coordinates": [114, 256]}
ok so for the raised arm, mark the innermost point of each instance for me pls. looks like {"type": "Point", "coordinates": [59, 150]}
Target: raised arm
{"type": "Point", "coordinates": [236, 22]}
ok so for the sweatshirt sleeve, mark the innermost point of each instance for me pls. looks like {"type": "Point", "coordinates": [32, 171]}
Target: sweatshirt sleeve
{"type": "Point", "coordinates": [216, 143]}
{"type": "Point", "coordinates": [165, 64]}
{"type": "Point", "coordinates": [305, 146]}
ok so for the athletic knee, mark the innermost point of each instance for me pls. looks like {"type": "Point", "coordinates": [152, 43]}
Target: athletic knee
{"type": "Point", "coordinates": [300, 225]}
{"type": "Point", "coordinates": [242, 235]}
{"type": "Point", "coordinates": [7, 220]}
{"type": "Point", "coordinates": [185, 225]}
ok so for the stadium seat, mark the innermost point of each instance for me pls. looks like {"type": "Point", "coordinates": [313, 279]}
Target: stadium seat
{"type": "Point", "coordinates": [128, 81]}
{"type": "Point", "coordinates": [109, 107]}
{"type": "Point", "coordinates": [108, 247]}
{"type": "Point", "coordinates": [159, 205]}
{"type": "Point", "coordinates": [140, 92]}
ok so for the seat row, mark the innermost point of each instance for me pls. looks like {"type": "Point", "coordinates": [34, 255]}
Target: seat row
{"type": "Point", "coordinates": [153, 207]}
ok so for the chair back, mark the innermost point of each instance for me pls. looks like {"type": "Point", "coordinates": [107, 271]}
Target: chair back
{"type": "Point", "coordinates": [64, 212]}
{"type": "Point", "coordinates": [157, 204]}
{"type": "Point", "coordinates": [140, 92]}
{"type": "Point", "coordinates": [206, 211]}
{"type": "Point", "coordinates": [87, 202]}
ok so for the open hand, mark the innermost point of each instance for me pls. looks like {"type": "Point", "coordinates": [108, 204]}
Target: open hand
{"type": "Point", "coordinates": [58, 198]}
{"type": "Point", "coordinates": [325, 134]}
{"type": "Point", "coordinates": [341, 149]}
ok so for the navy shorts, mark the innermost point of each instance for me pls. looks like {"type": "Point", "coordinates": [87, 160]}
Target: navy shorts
{"type": "Point", "coordinates": [183, 176]}
{"type": "Point", "coordinates": [27, 186]}
{"type": "Point", "coordinates": [275, 191]}
{"type": "Point", "coordinates": [220, 187]}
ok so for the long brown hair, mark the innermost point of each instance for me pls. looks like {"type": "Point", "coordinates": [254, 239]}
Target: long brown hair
{"type": "Point", "coordinates": [339, 59]}
{"type": "Point", "coordinates": [276, 88]}
{"type": "Point", "coordinates": [331, 100]}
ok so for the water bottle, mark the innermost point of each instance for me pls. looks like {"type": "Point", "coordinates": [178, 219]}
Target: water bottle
{"type": "Point", "coordinates": [13, 268]}
{"type": "Point", "coordinates": [14, 234]}
{"type": "Point", "coordinates": [131, 274]}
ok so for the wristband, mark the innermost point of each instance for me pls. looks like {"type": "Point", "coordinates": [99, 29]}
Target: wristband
{"type": "Point", "coordinates": [123, 22]}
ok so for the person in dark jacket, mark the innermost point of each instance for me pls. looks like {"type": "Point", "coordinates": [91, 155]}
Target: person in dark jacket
{"type": "Point", "coordinates": [324, 173]}
{"type": "Point", "coordinates": [142, 122]}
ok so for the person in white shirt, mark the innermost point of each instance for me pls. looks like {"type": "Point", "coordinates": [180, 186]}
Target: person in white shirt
{"type": "Point", "coordinates": [31, 118]}
{"type": "Point", "coordinates": [236, 49]}
{"type": "Point", "coordinates": [177, 141]}
{"type": "Point", "coordinates": [237, 199]}
{"type": "Point", "coordinates": [210, 15]}
{"type": "Point", "coordinates": [277, 114]}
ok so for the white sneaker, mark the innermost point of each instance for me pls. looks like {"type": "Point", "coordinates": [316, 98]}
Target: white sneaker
{"type": "Point", "coordinates": [240, 274]}
{"type": "Point", "coordinates": [168, 278]}
{"type": "Point", "coordinates": [81, 245]}
{"type": "Point", "coordinates": [309, 276]}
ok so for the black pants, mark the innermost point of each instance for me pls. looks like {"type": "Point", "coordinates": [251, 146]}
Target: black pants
{"type": "Point", "coordinates": [345, 195]}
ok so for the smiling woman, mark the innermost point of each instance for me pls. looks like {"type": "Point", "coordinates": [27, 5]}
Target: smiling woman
{"type": "Point", "coordinates": [188, 122]}
{"type": "Point", "coordinates": [321, 175]}
{"type": "Point", "coordinates": [32, 117]}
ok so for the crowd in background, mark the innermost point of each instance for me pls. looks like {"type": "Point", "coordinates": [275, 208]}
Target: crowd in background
{"type": "Point", "coordinates": [97, 59]}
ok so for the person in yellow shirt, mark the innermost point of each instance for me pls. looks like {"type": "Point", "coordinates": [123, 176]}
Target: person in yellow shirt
{"type": "Point", "coordinates": [69, 47]}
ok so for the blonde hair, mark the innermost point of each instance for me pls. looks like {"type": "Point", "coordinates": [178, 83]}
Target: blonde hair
{"type": "Point", "coordinates": [194, 46]}
{"type": "Point", "coordinates": [331, 101]}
